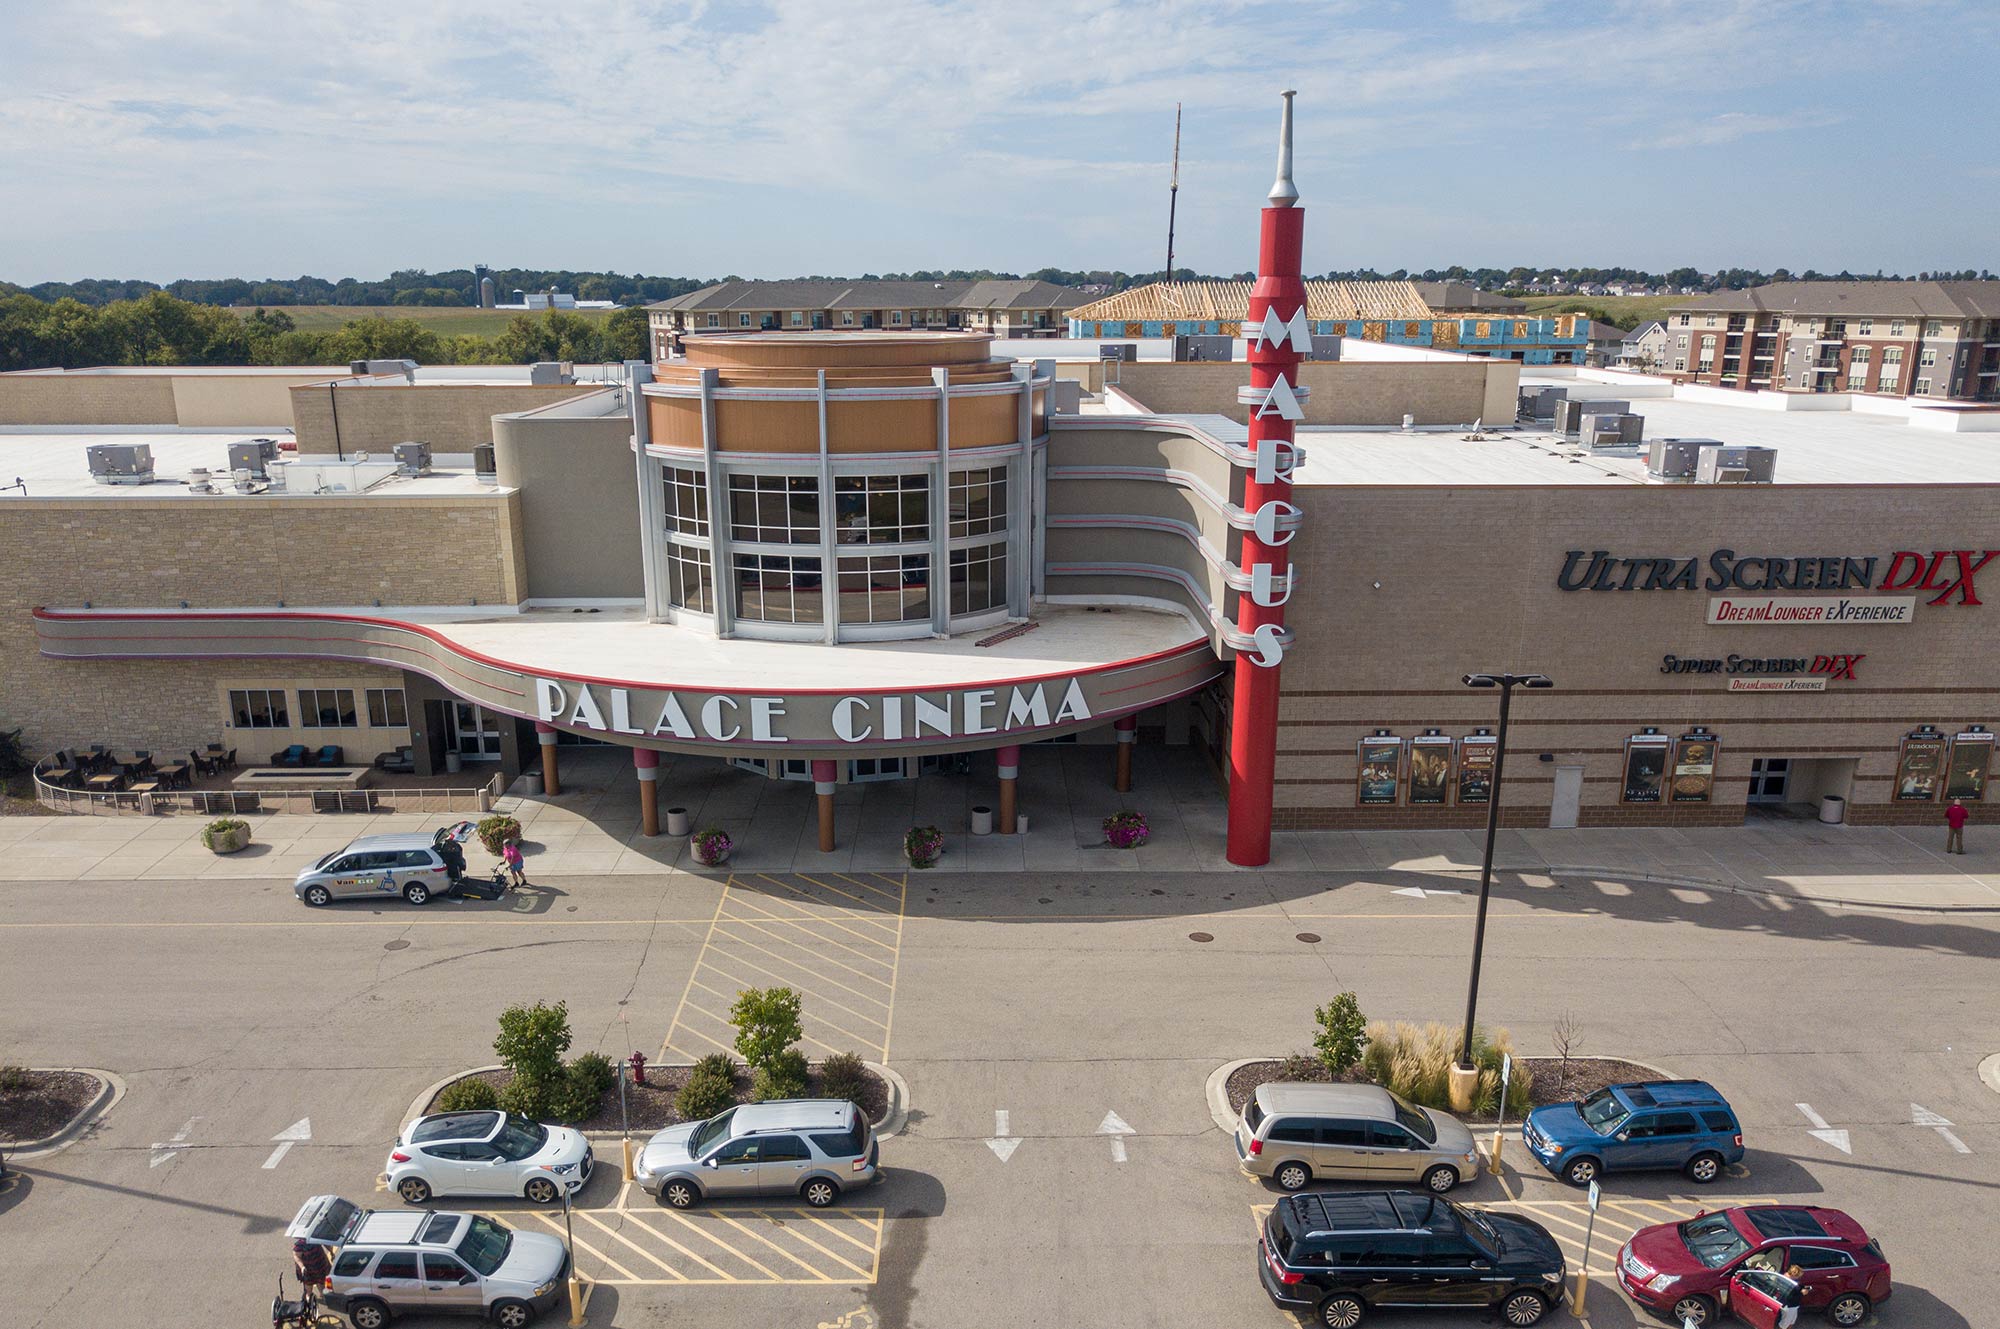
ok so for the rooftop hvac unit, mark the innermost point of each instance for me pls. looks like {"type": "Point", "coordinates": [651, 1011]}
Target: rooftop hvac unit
{"type": "Point", "coordinates": [407, 368]}
{"type": "Point", "coordinates": [1675, 458]}
{"type": "Point", "coordinates": [1569, 412]}
{"type": "Point", "coordinates": [482, 462]}
{"type": "Point", "coordinates": [1721, 464]}
{"type": "Point", "coordinates": [1545, 402]}
{"type": "Point", "coordinates": [1619, 430]}
{"type": "Point", "coordinates": [551, 373]}
{"type": "Point", "coordinates": [1204, 347]}
{"type": "Point", "coordinates": [255, 456]}
{"type": "Point", "coordinates": [413, 458]}
{"type": "Point", "coordinates": [1118, 350]}
{"type": "Point", "coordinates": [1325, 347]}
{"type": "Point", "coordinates": [121, 463]}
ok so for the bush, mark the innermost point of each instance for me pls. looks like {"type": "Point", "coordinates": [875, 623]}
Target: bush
{"type": "Point", "coordinates": [584, 1084]}
{"type": "Point", "coordinates": [923, 846]}
{"type": "Point", "coordinates": [473, 1095]}
{"type": "Point", "coordinates": [767, 1024]}
{"type": "Point", "coordinates": [704, 1095]}
{"type": "Point", "coordinates": [784, 1076]}
{"type": "Point", "coordinates": [13, 1079]}
{"type": "Point", "coordinates": [13, 757]}
{"type": "Point", "coordinates": [842, 1075]}
{"type": "Point", "coordinates": [1301, 1066]}
{"type": "Point", "coordinates": [495, 831]}
{"type": "Point", "coordinates": [718, 1064]}
{"type": "Point", "coordinates": [224, 829]}
{"type": "Point", "coordinates": [531, 1044]}
{"type": "Point", "coordinates": [1415, 1062]}
{"type": "Point", "coordinates": [1342, 1033]}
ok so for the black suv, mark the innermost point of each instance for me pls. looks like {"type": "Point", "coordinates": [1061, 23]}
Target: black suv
{"type": "Point", "coordinates": [1340, 1255]}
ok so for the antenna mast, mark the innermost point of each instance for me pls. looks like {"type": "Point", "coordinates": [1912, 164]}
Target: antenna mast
{"type": "Point", "coordinates": [1173, 194]}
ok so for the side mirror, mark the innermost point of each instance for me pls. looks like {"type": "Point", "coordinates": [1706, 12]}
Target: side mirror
{"type": "Point", "coordinates": [1624, 1136]}
{"type": "Point", "coordinates": [709, 1162]}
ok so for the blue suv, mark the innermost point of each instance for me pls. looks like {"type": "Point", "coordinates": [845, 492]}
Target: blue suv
{"type": "Point", "coordinates": [1682, 1124]}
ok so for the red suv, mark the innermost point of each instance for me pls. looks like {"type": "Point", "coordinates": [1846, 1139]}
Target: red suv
{"type": "Point", "coordinates": [1682, 1269]}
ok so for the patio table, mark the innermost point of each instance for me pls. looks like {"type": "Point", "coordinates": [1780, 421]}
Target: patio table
{"type": "Point", "coordinates": [108, 783]}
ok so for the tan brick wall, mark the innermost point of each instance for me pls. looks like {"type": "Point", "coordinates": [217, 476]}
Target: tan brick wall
{"type": "Point", "coordinates": [1342, 392]}
{"type": "Point", "coordinates": [451, 417]}
{"type": "Point", "coordinates": [245, 401]}
{"type": "Point", "coordinates": [219, 553]}
{"type": "Point", "coordinates": [86, 399]}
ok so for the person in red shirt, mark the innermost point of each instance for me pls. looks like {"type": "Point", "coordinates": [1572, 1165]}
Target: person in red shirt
{"type": "Point", "coordinates": [1954, 817]}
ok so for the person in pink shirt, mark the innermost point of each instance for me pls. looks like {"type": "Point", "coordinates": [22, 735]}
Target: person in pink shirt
{"type": "Point", "coordinates": [1955, 817]}
{"type": "Point", "coordinates": [510, 854]}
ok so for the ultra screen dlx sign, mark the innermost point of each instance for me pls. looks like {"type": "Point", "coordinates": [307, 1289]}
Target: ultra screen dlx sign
{"type": "Point", "coordinates": [1946, 574]}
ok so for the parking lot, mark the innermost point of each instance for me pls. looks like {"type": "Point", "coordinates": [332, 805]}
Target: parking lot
{"type": "Point", "coordinates": [1059, 1165]}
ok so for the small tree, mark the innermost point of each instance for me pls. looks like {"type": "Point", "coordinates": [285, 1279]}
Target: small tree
{"type": "Point", "coordinates": [1568, 1037]}
{"type": "Point", "coordinates": [767, 1023]}
{"type": "Point", "coordinates": [531, 1044]}
{"type": "Point", "coordinates": [1342, 1035]}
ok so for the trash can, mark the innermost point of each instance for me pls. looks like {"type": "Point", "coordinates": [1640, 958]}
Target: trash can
{"type": "Point", "coordinates": [1833, 809]}
{"type": "Point", "coordinates": [982, 821]}
{"type": "Point", "coordinates": [677, 821]}
{"type": "Point", "coordinates": [531, 782]}
{"type": "Point", "coordinates": [453, 763]}
{"type": "Point", "coordinates": [1020, 823]}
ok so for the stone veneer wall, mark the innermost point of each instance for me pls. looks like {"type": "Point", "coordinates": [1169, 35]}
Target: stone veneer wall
{"type": "Point", "coordinates": [451, 417]}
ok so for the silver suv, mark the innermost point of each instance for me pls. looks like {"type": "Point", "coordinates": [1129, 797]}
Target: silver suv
{"type": "Point", "coordinates": [1292, 1133]}
{"type": "Point", "coordinates": [378, 867]}
{"type": "Point", "coordinates": [813, 1148]}
{"type": "Point", "coordinates": [413, 1263]}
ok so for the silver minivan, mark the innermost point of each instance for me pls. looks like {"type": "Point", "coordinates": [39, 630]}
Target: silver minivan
{"type": "Point", "coordinates": [1292, 1133]}
{"type": "Point", "coordinates": [813, 1148]}
{"type": "Point", "coordinates": [378, 867]}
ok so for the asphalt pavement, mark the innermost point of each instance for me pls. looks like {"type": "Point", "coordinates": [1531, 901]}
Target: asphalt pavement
{"type": "Point", "coordinates": [1060, 1166]}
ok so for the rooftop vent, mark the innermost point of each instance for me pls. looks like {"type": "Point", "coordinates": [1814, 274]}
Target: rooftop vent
{"type": "Point", "coordinates": [1676, 458]}
{"type": "Point", "coordinates": [200, 481]}
{"type": "Point", "coordinates": [1722, 464]}
{"type": "Point", "coordinates": [255, 456]}
{"type": "Point", "coordinates": [121, 463]}
{"type": "Point", "coordinates": [1619, 430]}
{"type": "Point", "coordinates": [413, 458]}
{"type": "Point", "coordinates": [1569, 412]}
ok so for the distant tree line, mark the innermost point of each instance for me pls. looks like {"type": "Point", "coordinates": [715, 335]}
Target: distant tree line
{"type": "Point", "coordinates": [158, 329]}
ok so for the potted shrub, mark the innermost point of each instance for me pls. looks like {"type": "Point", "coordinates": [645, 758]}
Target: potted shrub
{"type": "Point", "coordinates": [225, 835]}
{"type": "Point", "coordinates": [1126, 830]}
{"type": "Point", "coordinates": [497, 830]}
{"type": "Point", "coordinates": [711, 846]}
{"type": "Point", "coordinates": [923, 846]}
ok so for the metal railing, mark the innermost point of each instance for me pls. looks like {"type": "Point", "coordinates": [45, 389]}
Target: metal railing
{"type": "Point", "coordinates": [409, 799]}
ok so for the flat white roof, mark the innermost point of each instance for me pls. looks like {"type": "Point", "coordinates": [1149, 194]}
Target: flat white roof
{"type": "Point", "coordinates": [57, 465]}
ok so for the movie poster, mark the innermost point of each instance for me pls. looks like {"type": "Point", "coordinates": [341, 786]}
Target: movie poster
{"type": "Point", "coordinates": [1381, 771]}
{"type": "Point", "coordinates": [1645, 770]}
{"type": "Point", "coordinates": [1475, 770]}
{"type": "Point", "coordinates": [1430, 770]}
{"type": "Point", "coordinates": [1918, 772]}
{"type": "Point", "coordinates": [1694, 770]}
{"type": "Point", "coordinates": [1965, 774]}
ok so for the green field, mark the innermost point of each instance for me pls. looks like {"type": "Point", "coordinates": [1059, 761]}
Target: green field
{"type": "Point", "coordinates": [1627, 311]}
{"type": "Point", "coordinates": [449, 321]}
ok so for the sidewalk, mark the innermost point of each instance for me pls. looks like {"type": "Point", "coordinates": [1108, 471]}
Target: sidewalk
{"type": "Point", "coordinates": [593, 828]}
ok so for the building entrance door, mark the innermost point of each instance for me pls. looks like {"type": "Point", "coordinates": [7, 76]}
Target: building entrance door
{"type": "Point", "coordinates": [1770, 779]}
{"type": "Point", "coordinates": [475, 732]}
{"type": "Point", "coordinates": [1567, 799]}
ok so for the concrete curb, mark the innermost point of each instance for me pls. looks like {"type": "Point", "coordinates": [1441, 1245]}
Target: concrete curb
{"type": "Point", "coordinates": [1703, 884]}
{"type": "Point", "coordinates": [1989, 1072]}
{"type": "Point", "coordinates": [897, 1114]}
{"type": "Point", "coordinates": [423, 1100]}
{"type": "Point", "coordinates": [110, 1089]}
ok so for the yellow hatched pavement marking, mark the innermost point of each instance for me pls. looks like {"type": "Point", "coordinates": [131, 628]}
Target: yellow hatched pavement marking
{"type": "Point", "coordinates": [616, 1235]}
{"type": "Point", "coordinates": [796, 1235]}
{"type": "Point", "coordinates": [717, 1270]}
{"type": "Point", "coordinates": [770, 1275]}
{"type": "Point", "coordinates": [708, 938]}
{"type": "Point", "coordinates": [755, 1236]}
{"type": "Point", "coordinates": [873, 1248]}
{"type": "Point", "coordinates": [815, 955]}
{"type": "Point", "coordinates": [772, 928]}
{"type": "Point", "coordinates": [597, 1254]}
{"type": "Point", "coordinates": [802, 964]}
{"type": "Point", "coordinates": [784, 979]}
{"type": "Point", "coordinates": [887, 895]}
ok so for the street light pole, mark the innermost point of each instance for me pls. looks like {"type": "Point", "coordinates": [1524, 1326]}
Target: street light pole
{"type": "Point", "coordinates": [1506, 683]}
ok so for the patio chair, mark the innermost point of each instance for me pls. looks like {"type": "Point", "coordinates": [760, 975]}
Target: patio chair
{"type": "Point", "coordinates": [229, 761]}
{"type": "Point", "coordinates": [403, 761]}
{"type": "Point", "coordinates": [330, 755]}
{"type": "Point", "coordinates": [295, 755]}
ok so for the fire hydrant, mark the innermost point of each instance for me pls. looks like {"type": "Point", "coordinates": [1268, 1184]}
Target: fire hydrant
{"type": "Point", "coordinates": [638, 1068]}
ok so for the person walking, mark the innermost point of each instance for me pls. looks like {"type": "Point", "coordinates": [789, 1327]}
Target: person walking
{"type": "Point", "coordinates": [1955, 817]}
{"type": "Point", "coordinates": [517, 867]}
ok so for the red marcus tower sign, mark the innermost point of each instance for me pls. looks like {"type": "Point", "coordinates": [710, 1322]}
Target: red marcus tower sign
{"type": "Point", "coordinates": [1279, 337]}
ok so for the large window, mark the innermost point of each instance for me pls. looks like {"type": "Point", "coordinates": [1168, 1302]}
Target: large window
{"type": "Point", "coordinates": [978, 579]}
{"type": "Point", "coordinates": [690, 581]}
{"type": "Point", "coordinates": [259, 708]}
{"type": "Point", "coordinates": [327, 708]}
{"type": "Point", "coordinates": [687, 500]}
{"type": "Point", "coordinates": [882, 509]}
{"type": "Point", "coordinates": [979, 502]}
{"type": "Point", "coordinates": [779, 588]}
{"type": "Point", "coordinates": [387, 708]}
{"type": "Point", "coordinates": [774, 509]}
{"type": "Point", "coordinates": [885, 588]}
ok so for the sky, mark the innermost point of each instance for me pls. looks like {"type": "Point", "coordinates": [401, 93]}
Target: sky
{"type": "Point", "coordinates": [258, 138]}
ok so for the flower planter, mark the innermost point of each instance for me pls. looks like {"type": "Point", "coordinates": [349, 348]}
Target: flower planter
{"type": "Point", "coordinates": [225, 837]}
{"type": "Point", "coordinates": [710, 848]}
{"type": "Point", "coordinates": [923, 846]}
{"type": "Point", "coordinates": [1126, 830]}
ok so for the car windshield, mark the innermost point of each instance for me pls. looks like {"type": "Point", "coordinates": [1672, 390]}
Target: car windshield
{"type": "Point", "coordinates": [485, 1245]}
{"type": "Point", "coordinates": [520, 1138]}
{"type": "Point", "coordinates": [709, 1132]}
{"type": "Point", "coordinates": [1713, 1239]}
{"type": "Point", "coordinates": [1414, 1121]}
{"type": "Point", "coordinates": [321, 865]}
{"type": "Point", "coordinates": [1602, 1111]}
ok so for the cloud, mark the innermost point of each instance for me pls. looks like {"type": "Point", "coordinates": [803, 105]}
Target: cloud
{"type": "Point", "coordinates": [1730, 126]}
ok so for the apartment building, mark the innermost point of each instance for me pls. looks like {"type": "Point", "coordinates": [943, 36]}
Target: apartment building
{"type": "Point", "coordinates": [1892, 338]}
{"type": "Point", "coordinates": [1010, 308]}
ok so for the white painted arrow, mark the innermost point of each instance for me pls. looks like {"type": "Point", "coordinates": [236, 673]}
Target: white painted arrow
{"type": "Point", "coordinates": [1115, 1126]}
{"type": "Point", "coordinates": [1002, 1144]}
{"type": "Point", "coordinates": [302, 1129]}
{"type": "Point", "coordinates": [1923, 1116]}
{"type": "Point", "coordinates": [1837, 1138]}
{"type": "Point", "coordinates": [164, 1152]}
{"type": "Point", "coordinates": [1419, 892]}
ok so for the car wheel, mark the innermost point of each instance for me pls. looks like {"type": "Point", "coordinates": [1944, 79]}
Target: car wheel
{"type": "Point", "coordinates": [1694, 1309]}
{"type": "Point", "coordinates": [1523, 1309]}
{"type": "Point", "coordinates": [1441, 1178]}
{"type": "Point", "coordinates": [417, 893]}
{"type": "Point", "coordinates": [819, 1192]}
{"type": "Point", "coordinates": [367, 1313]}
{"type": "Point", "coordinates": [1848, 1308]}
{"type": "Point", "coordinates": [1580, 1171]}
{"type": "Point", "coordinates": [1342, 1310]}
{"type": "Point", "coordinates": [513, 1314]}
{"type": "Point", "coordinates": [414, 1190]}
{"type": "Point", "coordinates": [317, 896]}
{"type": "Point", "coordinates": [540, 1190]}
{"type": "Point", "coordinates": [1703, 1168]}
{"type": "Point", "coordinates": [1292, 1176]}
{"type": "Point", "coordinates": [680, 1194]}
